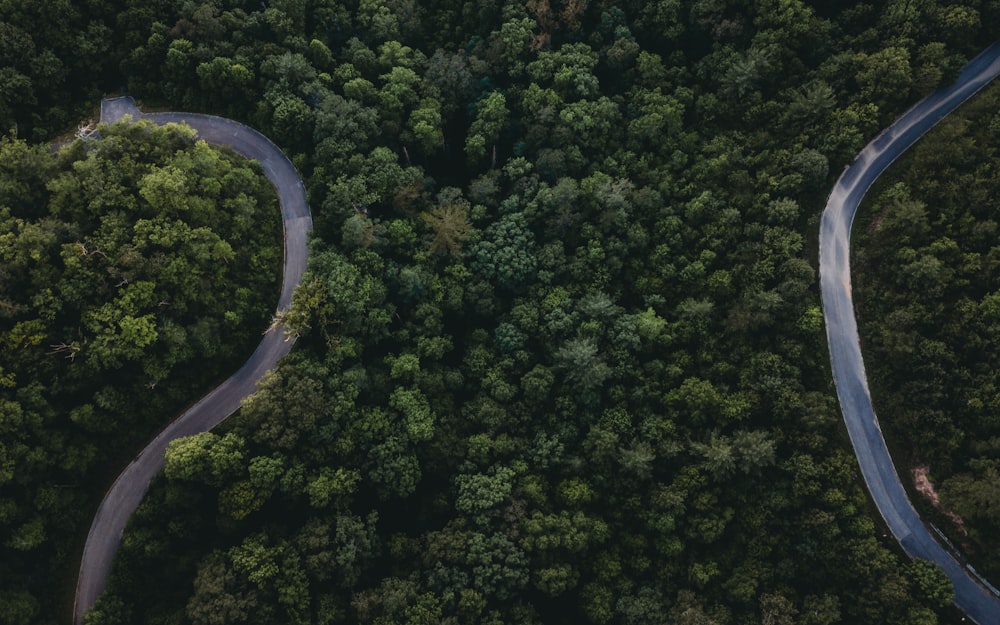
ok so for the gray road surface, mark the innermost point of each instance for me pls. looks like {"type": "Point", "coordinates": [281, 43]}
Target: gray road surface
{"type": "Point", "coordinates": [979, 602]}
{"type": "Point", "coordinates": [128, 490]}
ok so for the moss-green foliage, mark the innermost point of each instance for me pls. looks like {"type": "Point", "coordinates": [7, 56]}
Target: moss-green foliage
{"type": "Point", "coordinates": [134, 270]}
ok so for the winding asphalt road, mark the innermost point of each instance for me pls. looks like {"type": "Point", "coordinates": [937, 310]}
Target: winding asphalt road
{"type": "Point", "coordinates": [979, 602]}
{"type": "Point", "coordinates": [128, 490]}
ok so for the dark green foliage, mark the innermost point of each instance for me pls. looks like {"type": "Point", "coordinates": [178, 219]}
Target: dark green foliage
{"type": "Point", "coordinates": [561, 356]}
{"type": "Point", "coordinates": [506, 255]}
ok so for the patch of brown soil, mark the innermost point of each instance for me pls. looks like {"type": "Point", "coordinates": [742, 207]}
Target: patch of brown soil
{"type": "Point", "coordinates": [925, 487]}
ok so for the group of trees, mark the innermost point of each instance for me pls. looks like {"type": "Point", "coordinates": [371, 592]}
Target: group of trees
{"type": "Point", "coordinates": [135, 269]}
{"type": "Point", "coordinates": [561, 356]}
{"type": "Point", "coordinates": [927, 290]}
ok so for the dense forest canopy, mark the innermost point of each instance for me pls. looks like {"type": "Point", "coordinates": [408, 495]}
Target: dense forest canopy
{"type": "Point", "coordinates": [561, 355]}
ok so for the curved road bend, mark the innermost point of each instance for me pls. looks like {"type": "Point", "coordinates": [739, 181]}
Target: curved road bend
{"type": "Point", "coordinates": [971, 596]}
{"type": "Point", "coordinates": [128, 490]}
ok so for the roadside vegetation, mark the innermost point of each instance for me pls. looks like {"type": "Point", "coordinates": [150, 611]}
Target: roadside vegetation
{"type": "Point", "coordinates": [561, 355]}
{"type": "Point", "coordinates": [135, 271]}
{"type": "Point", "coordinates": [927, 264]}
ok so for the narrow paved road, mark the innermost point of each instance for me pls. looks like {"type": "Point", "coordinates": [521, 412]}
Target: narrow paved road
{"type": "Point", "coordinates": [971, 596]}
{"type": "Point", "coordinates": [128, 490]}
